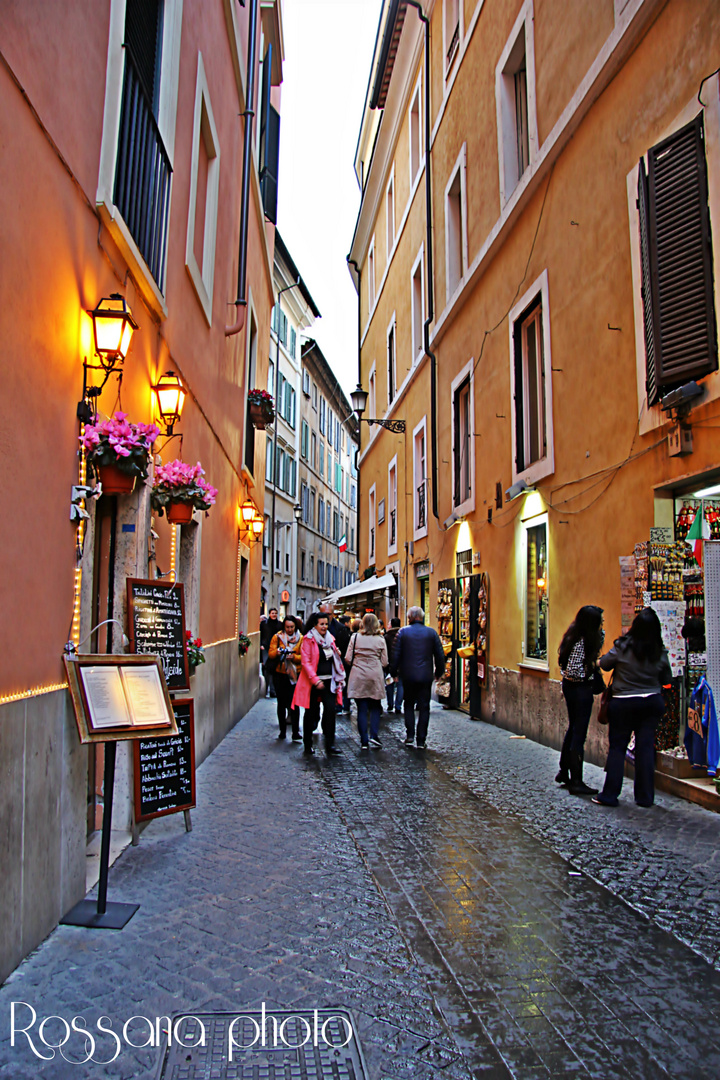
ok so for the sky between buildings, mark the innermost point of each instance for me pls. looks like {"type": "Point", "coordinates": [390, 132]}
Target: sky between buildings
{"type": "Point", "coordinates": [328, 52]}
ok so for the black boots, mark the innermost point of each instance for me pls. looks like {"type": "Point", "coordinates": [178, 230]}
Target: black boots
{"type": "Point", "coordinates": [576, 786]}
{"type": "Point", "coordinates": [563, 774]}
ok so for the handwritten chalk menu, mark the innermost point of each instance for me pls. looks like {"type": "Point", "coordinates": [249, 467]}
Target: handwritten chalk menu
{"type": "Point", "coordinates": [156, 615]}
{"type": "Point", "coordinates": [165, 768]}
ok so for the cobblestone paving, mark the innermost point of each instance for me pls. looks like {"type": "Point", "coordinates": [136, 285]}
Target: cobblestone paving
{"type": "Point", "coordinates": [665, 862]}
{"type": "Point", "coordinates": [422, 892]}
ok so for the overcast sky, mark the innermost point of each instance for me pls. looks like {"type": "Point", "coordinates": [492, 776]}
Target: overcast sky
{"type": "Point", "coordinates": [328, 52]}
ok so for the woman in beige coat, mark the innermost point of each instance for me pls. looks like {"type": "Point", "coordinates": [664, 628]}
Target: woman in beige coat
{"type": "Point", "coordinates": [367, 658]}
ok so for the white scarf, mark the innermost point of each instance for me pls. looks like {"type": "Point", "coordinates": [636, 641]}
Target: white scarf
{"type": "Point", "coordinates": [327, 644]}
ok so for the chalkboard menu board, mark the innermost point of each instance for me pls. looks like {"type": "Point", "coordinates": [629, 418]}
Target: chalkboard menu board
{"type": "Point", "coordinates": [156, 616]}
{"type": "Point", "coordinates": [165, 768]}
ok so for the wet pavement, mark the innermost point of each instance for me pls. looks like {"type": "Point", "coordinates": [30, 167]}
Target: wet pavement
{"type": "Point", "coordinates": [450, 899]}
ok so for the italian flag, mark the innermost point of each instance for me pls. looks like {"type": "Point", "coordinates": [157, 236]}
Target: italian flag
{"type": "Point", "coordinates": [342, 546]}
{"type": "Point", "coordinates": [698, 531]}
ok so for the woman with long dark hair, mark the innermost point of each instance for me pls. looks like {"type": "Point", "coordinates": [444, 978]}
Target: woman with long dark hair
{"type": "Point", "coordinates": [577, 656]}
{"type": "Point", "coordinates": [640, 666]}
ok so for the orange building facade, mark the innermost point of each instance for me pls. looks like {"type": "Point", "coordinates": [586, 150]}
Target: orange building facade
{"type": "Point", "coordinates": [533, 356]}
{"type": "Point", "coordinates": [124, 171]}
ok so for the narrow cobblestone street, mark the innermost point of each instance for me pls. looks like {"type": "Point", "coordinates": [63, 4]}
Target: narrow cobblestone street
{"type": "Point", "coordinates": [475, 919]}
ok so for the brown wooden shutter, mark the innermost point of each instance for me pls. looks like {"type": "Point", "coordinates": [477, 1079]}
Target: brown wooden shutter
{"type": "Point", "coordinates": [680, 258]}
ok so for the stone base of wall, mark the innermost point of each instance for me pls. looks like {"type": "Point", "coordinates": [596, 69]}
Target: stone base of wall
{"type": "Point", "coordinates": [530, 703]}
{"type": "Point", "coordinates": [43, 793]}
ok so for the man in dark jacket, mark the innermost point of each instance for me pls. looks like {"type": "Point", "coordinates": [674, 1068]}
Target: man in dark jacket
{"type": "Point", "coordinates": [418, 658]}
{"type": "Point", "coordinates": [268, 630]}
{"type": "Point", "coordinates": [393, 690]}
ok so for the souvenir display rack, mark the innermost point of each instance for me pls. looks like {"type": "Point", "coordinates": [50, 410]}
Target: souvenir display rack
{"type": "Point", "coordinates": [445, 614]}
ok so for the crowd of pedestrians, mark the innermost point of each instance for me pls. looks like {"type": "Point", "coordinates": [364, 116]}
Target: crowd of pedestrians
{"type": "Point", "coordinates": [323, 665]}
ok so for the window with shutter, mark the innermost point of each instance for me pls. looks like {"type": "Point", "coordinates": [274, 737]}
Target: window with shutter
{"type": "Point", "coordinates": [676, 257]}
{"type": "Point", "coordinates": [269, 144]}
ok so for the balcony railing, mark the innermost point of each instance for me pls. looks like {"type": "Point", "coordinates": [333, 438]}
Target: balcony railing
{"type": "Point", "coordinates": [421, 506]}
{"type": "Point", "coordinates": [372, 543]}
{"type": "Point", "coordinates": [142, 177]}
{"type": "Point", "coordinates": [393, 514]}
{"type": "Point", "coordinates": [454, 42]}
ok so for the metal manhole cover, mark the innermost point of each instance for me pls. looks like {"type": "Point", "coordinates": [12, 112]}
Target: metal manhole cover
{"type": "Point", "coordinates": [313, 1044]}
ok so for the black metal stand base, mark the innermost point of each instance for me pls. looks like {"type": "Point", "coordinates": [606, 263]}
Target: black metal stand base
{"type": "Point", "coordinates": [115, 916]}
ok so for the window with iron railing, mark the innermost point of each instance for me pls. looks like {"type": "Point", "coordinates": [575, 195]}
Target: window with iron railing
{"type": "Point", "coordinates": [392, 540]}
{"type": "Point", "coordinates": [143, 171]}
{"type": "Point", "coordinates": [421, 520]}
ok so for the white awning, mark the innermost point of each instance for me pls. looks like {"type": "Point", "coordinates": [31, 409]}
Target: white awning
{"type": "Point", "coordinates": [361, 588]}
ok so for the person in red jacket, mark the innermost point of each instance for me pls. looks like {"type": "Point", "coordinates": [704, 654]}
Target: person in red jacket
{"type": "Point", "coordinates": [320, 683]}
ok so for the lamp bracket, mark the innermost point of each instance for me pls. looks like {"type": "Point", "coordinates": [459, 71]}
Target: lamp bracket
{"type": "Point", "coordinates": [398, 426]}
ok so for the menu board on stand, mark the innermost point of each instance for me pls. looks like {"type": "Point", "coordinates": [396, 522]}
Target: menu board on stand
{"type": "Point", "coordinates": [156, 620]}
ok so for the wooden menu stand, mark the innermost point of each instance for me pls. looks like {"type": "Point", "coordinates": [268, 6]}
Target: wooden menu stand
{"type": "Point", "coordinates": [102, 915]}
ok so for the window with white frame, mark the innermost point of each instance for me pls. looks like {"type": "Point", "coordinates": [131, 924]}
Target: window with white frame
{"type": "Point", "coordinates": [304, 439]}
{"type": "Point", "coordinates": [533, 455]}
{"type": "Point", "coordinates": [462, 443]}
{"type": "Point", "coordinates": [306, 383]}
{"type": "Point", "coordinates": [372, 525]}
{"type": "Point", "coordinates": [456, 226]}
{"type": "Point", "coordinates": [204, 189]}
{"type": "Point", "coordinates": [417, 304]}
{"type": "Point", "coordinates": [371, 275]}
{"type": "Point", "coordinates": [391, 363]}
{"type": "Point", "coordinates": [313, 450]}
{"type": "Point", "coordinates": [535, 590]}
{"type": "Point", "coordinates": [390, 214]}
{"type": "Point", "coordinates": [420, 512]}
{"type": "Point", "coordinates": [515, 103]}
{"type": "Point", "coordinates": [140, 112]}
{"type": "Point", "coordinates": [314, 396]}
{"type": "Point", "coordinates": [451, 31]}
{"type": "Point", "coordinates": [392, 507]}
{"type": "Point", "coordinates": [415, 134]}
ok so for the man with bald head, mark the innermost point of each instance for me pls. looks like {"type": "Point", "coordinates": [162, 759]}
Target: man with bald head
{"type": "Point", "coordinates": [417, 658]}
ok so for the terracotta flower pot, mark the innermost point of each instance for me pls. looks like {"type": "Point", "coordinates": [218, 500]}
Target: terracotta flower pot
{"type": "Point", "coordinates": [179, 513]}
{"type": "Point", "coordinates": [257, 417]}
{"type": "Point", "coordinates": [114, 481]}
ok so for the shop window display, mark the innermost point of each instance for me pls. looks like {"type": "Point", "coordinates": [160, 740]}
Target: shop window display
{"type": "Point", "coordinates": [536, 599]}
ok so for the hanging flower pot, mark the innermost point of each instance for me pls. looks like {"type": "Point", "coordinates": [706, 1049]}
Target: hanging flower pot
{"type": "Point", "coordinates": [114, 481]}
{"type": "Point", "coordinates": [179, 513]}
{"type": "Point", "coordinates": [257, 417]}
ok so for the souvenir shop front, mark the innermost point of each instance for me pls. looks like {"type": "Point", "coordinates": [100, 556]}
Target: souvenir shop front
{"type": "Point", "coordinates": [463, 622]}
{"type": "Point", "coordinates": [676, 571]}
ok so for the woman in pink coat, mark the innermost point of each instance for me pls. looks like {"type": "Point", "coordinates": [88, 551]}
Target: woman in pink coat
{"type": "Point", "coordinates": [321, 681]}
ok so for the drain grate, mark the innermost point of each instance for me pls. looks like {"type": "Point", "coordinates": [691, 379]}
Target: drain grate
{"type": "Point", "coordinates": [277, 1045]}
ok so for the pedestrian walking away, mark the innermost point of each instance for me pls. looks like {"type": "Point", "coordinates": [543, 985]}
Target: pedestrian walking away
{"type": "Point", "coordinates": [284, 652]}
{"type": "Point", "coordinates": [320, 683]}
{"type": "Point", "coordinates": [367, 658]}
{"type": "Point", "coordinates": [641, 667]}
{"type": "Point", "coordinates": [394, 689]}
{"type": "Point", "coordinates": [581, 679]}
{"type": "Point", "coordinates": [417, 658]}
{"type": "Point", "coordinates": [269, 629]}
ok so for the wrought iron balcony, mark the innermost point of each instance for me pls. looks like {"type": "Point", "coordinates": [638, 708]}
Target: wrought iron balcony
{"type": "Point", "coordinates": [143, 172]}
{"type": "Point", "coordinates": [393, 514]}
{"type": "Point", "coordinates": [421, 506]}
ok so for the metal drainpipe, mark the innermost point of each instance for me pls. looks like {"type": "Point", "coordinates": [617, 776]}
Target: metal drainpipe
{"type": "Point", "coordinates": [430, 290]}
{"type": "Point", "coordinates": [351, 262]}
{"type": "Point", "coordinates": [241, 302]}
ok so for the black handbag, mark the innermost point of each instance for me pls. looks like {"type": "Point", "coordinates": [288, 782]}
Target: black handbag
{"type": "Point", "coordinates": [597, 682]}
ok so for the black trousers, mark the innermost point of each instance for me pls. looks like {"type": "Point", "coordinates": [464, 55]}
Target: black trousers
{"type": "Point", "coordinates": [417, 694]}
{"type": "Point", "coordinates": [641, 715]}
{"type": "Point", "coordinates": [579, 700]}
{"type": "Point", "coordinates": [328, 700]}
{"type": "Point", "coordinates": [284, 690]}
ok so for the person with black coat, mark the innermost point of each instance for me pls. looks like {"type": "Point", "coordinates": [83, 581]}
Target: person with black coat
{"type": "Point", "coordinates": [270, 628]}
{"type": "Point", "coordinates": [417, 658]}
{"type": "Point", "coordinates": [577, 656]}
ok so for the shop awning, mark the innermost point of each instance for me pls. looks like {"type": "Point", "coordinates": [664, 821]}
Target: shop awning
{"type": "Point", "coordinates": [362, 588]}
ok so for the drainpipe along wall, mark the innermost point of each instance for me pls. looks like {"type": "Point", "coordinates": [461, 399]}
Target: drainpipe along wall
{"type": "Point", "coordinates": [241, 301]}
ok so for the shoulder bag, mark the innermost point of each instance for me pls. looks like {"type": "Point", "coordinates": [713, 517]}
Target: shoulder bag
{"type": "Point", "coordinates": [605, 699]}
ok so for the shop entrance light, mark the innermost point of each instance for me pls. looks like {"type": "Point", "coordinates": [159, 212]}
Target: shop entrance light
{"type": "Point", "coordinates": [113, 327]}
{"type": "Point", "coordinates": [171, 397]}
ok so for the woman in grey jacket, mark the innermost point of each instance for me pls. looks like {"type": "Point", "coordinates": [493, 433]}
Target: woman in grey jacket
{"type": "Point", "coordinates": [640, 666]}
{"type": "Point", "coordinates": [367, 658]}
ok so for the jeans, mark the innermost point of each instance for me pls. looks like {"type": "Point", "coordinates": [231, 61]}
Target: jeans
{"type": "Point", "coordinates": [284, 689]}
{"type": "Point", "coordinates": [328, 700]}
{"type": "Point", "coordinates": [417, 694]}
{"type": "Point", "coordinates": [579, 700]}
{"type": "Point", "coordinates": [641, 715]}
{"type": "Point", "coordinates": [365, 706]}
{"type": "Point", "coordinates": [394, 692]}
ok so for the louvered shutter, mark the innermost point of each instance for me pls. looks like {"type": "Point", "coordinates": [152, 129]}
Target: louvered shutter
{"type": "Point", "coordinates": [269, 144]}
{"type": "Point", "coordinates": [680, 260]}
{"type": "Point", "coordinates": [518, 402]}
{"type": "Point", "coordinates": [651, 384]}
{"type": "Point", "coordinates": [143, 23]}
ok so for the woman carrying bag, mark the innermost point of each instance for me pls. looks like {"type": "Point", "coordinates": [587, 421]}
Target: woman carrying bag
{"type": "Point", "coordinates": [367, 659]}
{"type": "Point", "coordinates": [577, 656]}
{"type": "Point", "coordinates": [320, 683]}
{"type": "Point", "coordinates": [640, 666]}
{"type": "Point", "coordinates": [284, 656]}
